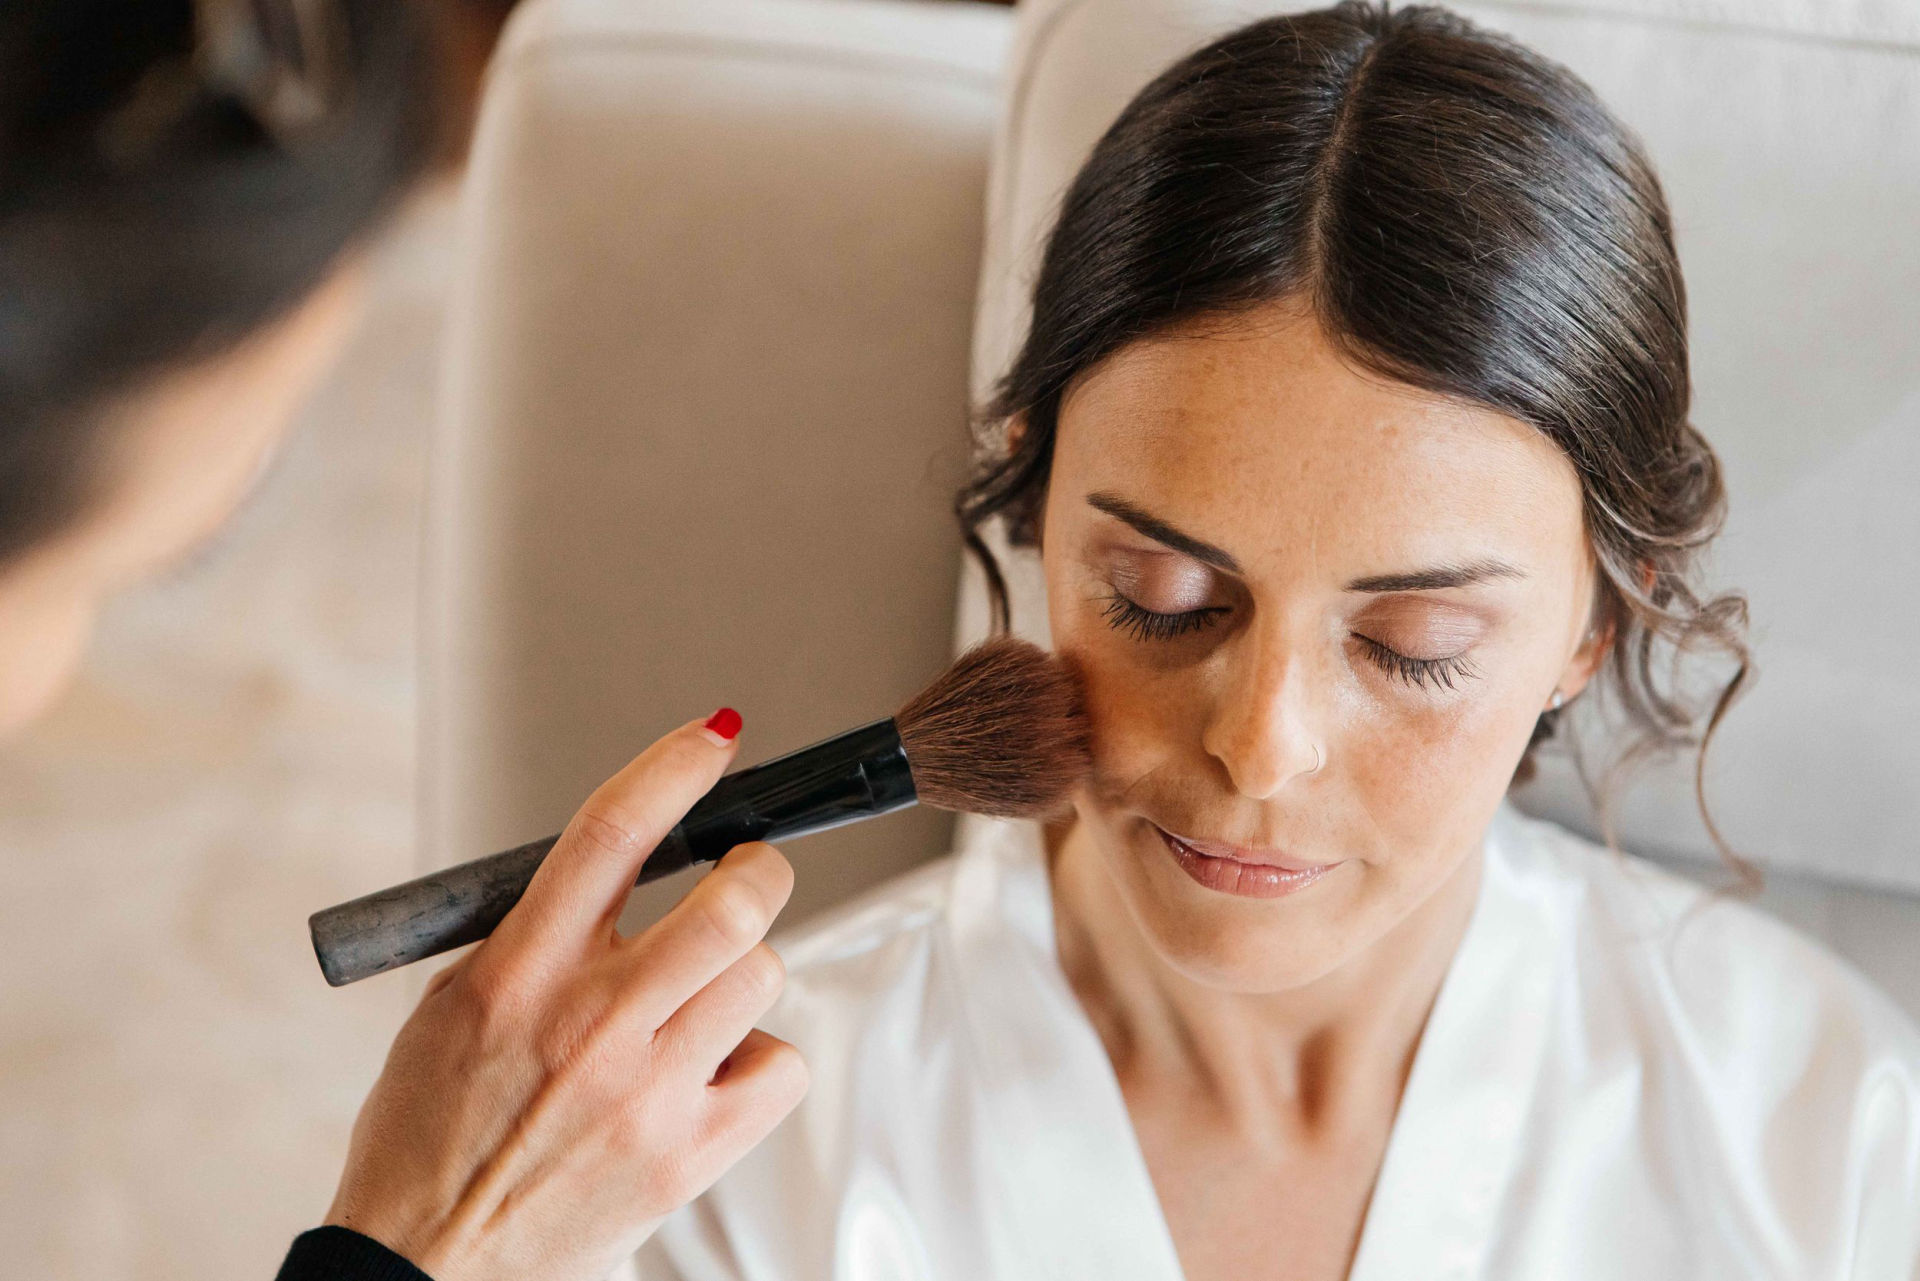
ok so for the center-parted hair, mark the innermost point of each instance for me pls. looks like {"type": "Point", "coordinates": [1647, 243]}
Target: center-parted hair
{"type": "Point", "coordinates": [1461, 215]}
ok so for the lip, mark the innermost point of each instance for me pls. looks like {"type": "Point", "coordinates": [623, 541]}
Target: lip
{"type": "Point", "coordinates": [1238, 870]}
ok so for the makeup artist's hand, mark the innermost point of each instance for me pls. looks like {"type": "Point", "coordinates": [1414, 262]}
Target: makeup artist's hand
{"type": "Point", "coordinates": [561, 1089]}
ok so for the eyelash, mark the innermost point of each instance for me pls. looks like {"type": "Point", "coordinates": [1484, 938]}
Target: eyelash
{"type": "Point", "coordinates": [1146, 625]}
{"type": "Point", "coordinates": [1436, 673]}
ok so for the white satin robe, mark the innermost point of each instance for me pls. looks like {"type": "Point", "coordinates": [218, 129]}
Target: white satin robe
{"type": "Point", "coordinates": [1619, 1079]}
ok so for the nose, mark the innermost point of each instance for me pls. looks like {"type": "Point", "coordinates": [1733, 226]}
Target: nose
{"type": "Point", "coordinates": [1260, 729]}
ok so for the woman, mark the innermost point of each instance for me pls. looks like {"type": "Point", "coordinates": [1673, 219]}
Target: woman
{"type": "Point", "coordinates": [182, 190]}
{"type": "Point", "coordinates": [1351, 429]}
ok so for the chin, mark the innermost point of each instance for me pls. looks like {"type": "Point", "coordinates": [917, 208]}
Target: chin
{"type": "Point", "coordinates": [1233, 943]}
{"type": "Point", "coordinates": [37, 664]}
{"type": "Point", "coordinates": [1231, 958]}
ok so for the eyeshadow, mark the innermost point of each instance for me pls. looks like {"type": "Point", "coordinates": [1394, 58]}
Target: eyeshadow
{"type": "Point", "coordinates": [1423, 628]}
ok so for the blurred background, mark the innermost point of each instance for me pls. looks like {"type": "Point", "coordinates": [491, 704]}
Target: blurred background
{"type": "Point", "coordinates": [176, 1083]}
{"type": "Point", "coordinates": [385, 665]}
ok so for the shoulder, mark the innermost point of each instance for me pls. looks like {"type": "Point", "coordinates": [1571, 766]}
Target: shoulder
{"type": "Point", "coordinates": [1708, 956]}
{"type": "Point", "coordinates": [1760, 1048]}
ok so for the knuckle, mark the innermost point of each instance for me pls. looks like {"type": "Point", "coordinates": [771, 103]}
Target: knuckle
{"type": "Point", "coordinates": [446, 975]}
{"type": "Point", "coordinates": [492, 996]}
{"type": "Point", "coordinates": [769, 867]}
{"type": "Point", "coordinates": [586, 1049]}
{"type": "Point", "coordinates": [604, 826]}
{"type": "Point", "coordinates": [556, 1047]}
{"type": "Point", "coordinates": [763, 970]}
{"type": "Point", "coordinates": [735, 912]}
{"type": "Point", "coordinates": [662, 1180]}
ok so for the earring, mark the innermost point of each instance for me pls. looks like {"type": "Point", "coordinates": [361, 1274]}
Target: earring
{"type": "Point", "coordinates": [1557, 702]}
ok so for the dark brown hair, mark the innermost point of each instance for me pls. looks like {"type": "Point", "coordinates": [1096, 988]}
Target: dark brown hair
{"type": "Point", "coordinates": [1463, 216]}
{"type": "Point", "coordinates": [163, 193]}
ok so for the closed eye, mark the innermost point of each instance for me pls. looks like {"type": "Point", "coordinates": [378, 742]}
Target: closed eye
{"type": "Point", "coordinates": [1425, 673]}
{"type": "Point", "coordinates": [1145, 624]}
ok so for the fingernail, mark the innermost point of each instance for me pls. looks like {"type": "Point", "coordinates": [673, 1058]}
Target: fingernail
{"type": "Point", "coordinates": [723, 726]}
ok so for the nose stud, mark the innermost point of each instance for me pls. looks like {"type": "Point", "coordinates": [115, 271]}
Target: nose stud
{"type": "Point", "coordinates": [1316, 760]}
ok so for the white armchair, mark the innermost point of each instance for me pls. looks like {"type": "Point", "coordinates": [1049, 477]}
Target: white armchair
{"type": "Point", "coordinates": [706, 395]}
{"type": "Point", "coordinates": [706, 398]}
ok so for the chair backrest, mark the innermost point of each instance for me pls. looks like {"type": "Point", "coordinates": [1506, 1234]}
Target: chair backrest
{"type": "Point", "coordinates": [706, 397]}
{"type": "Point", "coordinates": [1787, 134]}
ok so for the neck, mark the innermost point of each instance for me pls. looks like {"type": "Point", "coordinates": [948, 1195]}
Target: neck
{"type": "Point", "coordinates": [1313, 1056]}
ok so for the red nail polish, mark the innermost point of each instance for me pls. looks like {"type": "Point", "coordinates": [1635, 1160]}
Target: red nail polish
{"type": "Point", "coordinates": [725, 723]}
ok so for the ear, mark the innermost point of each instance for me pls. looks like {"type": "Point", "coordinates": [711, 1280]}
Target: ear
{"type": "Point", "coordinates": [1584, 663]}
{"type": "Point", "coordinates": [1015, 435]}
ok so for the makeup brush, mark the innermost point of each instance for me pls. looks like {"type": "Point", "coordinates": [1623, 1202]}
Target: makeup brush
{"type": "Point", "coordinates": [1002, 732]}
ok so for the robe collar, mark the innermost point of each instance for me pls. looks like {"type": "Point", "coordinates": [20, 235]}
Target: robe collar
{"type": "Point", "coordinates": [1075, 1198]}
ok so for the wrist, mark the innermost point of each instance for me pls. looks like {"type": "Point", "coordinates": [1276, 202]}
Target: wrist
{"type": "Point", "coordinates": [334, 1251]}
{"type": "Point", "coordinates": [389, 1234]}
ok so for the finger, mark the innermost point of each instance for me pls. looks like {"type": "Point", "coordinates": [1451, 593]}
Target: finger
{"type": "Point", "coordinates": [718, 1017]}
{"type": "Point", "coordinates": [444, 976]}
{"type": "Point", "coordinates": [759, 1083]}
{"type": "Point", "coordinates": [584, 881]}
{"type": "Point", "coordinates": [720, 920]}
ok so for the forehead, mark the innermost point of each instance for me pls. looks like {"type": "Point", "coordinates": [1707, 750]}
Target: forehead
{"type": "Point", "coordinates": [1255, 432]}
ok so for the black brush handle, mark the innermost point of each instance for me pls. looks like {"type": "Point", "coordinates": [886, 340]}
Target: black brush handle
{"type": "Point", "coordinates": [844, 779]}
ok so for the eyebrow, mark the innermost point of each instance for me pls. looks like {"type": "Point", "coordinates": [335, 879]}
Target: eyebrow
{"type": "Point", "coordinates": [1161, 532]}
{"type": "Point", "coordinates": [1434, 578]}
{"type": "Point", "coordinates": [1437, 578]}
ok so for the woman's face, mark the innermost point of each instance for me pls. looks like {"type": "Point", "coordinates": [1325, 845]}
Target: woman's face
{"type": "Point", "coordinates": [1318, 615]}
{"type": "Point", "coordinates": [182, 455]}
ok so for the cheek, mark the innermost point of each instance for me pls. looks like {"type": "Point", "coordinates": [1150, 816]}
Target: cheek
{"type": "Point", "coordinates": [1142, 715]}
{"type": "Point", "coordinates": [1427, 776]}
{"type": "Point", "coordinates": [1135, 716]}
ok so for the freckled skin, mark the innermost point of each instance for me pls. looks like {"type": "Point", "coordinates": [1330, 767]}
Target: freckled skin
{"type": "Point", "coordinates": [1261, 439]}
{"type": "Point", "coordinates": [1262, 1043]}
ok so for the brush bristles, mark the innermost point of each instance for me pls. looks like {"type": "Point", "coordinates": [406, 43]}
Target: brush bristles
{"type": "Point", "coordinates": [1002, 732]}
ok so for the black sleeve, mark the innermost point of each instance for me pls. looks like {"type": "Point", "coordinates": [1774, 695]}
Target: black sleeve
{"type": "Point", "coordinates": [341, 1254]}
